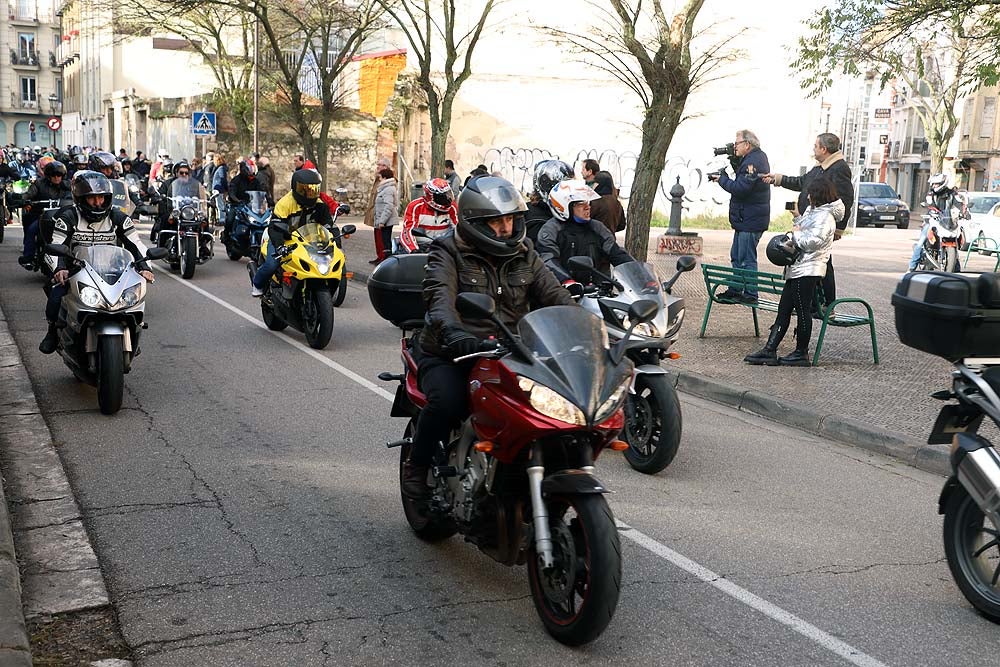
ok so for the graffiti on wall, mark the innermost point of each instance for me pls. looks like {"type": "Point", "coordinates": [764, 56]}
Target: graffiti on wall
{"type": "Point", "coordinates": [517, 166]}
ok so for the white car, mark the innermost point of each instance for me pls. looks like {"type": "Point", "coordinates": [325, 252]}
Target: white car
{"type": "Point", "coordinates": [984, 207]}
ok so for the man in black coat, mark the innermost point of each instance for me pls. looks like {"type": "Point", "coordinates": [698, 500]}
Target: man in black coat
{"type": "Point", "coordinates": [749, 208]}
{"type": "Point", "coordinates": [830, 162]}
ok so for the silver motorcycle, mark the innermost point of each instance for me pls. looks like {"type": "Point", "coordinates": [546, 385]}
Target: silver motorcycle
{"type": "Point", "coordinates": [652, 409]}
{"type": "Point", "coordinates": [101, 317]}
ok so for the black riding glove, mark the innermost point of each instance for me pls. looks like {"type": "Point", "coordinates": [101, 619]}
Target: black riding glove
{"type": "Point", "coordinates": [460, 342]}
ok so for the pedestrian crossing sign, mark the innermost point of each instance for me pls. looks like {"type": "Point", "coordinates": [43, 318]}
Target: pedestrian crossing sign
{"type": "Point", "coordinates": [203, 123]}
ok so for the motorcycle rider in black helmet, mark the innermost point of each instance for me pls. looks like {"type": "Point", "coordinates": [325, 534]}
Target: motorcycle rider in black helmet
{"type": "Point", "coordinates": [90, 221]}
{"type": "Point", "coordinates": [297, 208]}
{"type": "Point", "coordinates": [104, 163]}
{"type": "Point", "coordinates": [486, 253]}
{"type": "Point", "coordinates": [547, 174]}
{"type": "Point", "coordinates": [52, 187]}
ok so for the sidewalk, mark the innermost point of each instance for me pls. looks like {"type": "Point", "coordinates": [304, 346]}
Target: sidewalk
{"type": "Point", "coordinates": [884, 407]}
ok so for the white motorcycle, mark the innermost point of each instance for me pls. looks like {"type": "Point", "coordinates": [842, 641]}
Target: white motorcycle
{"type": "Point", "coordinates": [945, 237]}
{"type": "Point", "coordinates": [101, 317]}
{"type": "Point", "coordinates": [652, 409]}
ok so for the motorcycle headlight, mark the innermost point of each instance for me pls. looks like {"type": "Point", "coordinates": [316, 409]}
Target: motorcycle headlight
{"type": "Point", "coordinates": [550, 403]}
{"type": "Point", "coordinates": [647, 329]}
{"type": "Point", "coordinates": [614, 401]}
{"type": "Point", "coordinates": [131, 296]}
{"type": "Point", "coordinates": [90, 297]}
{"type": "Point", "coordinates": [321, 260]}
{"type": "Point", "coordinates": [187, 213]}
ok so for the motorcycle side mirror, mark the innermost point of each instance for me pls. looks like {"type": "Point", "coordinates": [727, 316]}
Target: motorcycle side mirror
{"type": "Point", "coordinates": [156, 253]}
{"type": "Point", "coordinates": [343, 209]}
{"type": "Point", "coordinates": [684, 264]}
{"type": "Point", "coordinates": [475, 306]}
{"type": "Point", "coordinates": [347, 230]}
{"type": "Point", "coordinates": [58, 250]}
{"type": "Point", "coordinates": [583, 265]}
{"type": "Point", "coordinates": [639, 312]}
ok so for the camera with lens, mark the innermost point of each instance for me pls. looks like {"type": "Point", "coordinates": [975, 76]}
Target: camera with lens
{"type": "Point", "coordinates": [728, 149]}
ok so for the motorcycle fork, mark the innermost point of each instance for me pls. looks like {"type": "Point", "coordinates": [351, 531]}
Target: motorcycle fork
{"type": "Point", "coordinates": [539, 512]}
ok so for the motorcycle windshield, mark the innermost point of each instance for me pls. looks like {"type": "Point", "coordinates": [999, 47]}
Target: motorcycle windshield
{"type": "Point", "coordinates": [258, 202]}
{"type": "Point", "coordinates": [107, 261]}
{"type": "Point", "coordinates": [571, 344]}
{"type": "Point", "coordinates": [639, 281]}
{"type": "Point", "coordinates": [315, 235]}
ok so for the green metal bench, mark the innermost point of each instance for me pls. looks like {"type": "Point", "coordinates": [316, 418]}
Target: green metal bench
{"type": "Point", "coordinates": [983, 245]}
{"type": "Point", "coordinates": [769, 286]}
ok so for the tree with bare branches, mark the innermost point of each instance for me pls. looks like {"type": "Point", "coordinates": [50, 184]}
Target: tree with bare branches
{"type": "Point", "coordinates": [436, 40]}
{"type": "Point", "coordinates": [936, 56]}
{"type": "Point", "coordinates": [305, 49]}
{"type": "Point", "coordinates": [649, 51]}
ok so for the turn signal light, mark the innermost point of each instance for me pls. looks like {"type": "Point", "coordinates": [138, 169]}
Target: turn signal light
{"type": "Point", "coordinates": [673, 355]}
{"type": "Point", "coordinates": [618, 445]}
{"type": "Point", "coordinates": [350, 275]}
{"type": "Point", "coordinates": [485, 446]}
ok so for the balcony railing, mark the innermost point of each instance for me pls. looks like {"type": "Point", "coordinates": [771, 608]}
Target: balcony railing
{"type": "Point", "coordinates": [23, 58]}
{"type": "Point", "coordinates": [17, 102]}
{"type": "Point", "coordinates": [41, 12]}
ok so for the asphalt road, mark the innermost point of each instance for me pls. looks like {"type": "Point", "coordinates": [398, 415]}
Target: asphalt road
{"type": "Point", "coordinates": [245, 512]}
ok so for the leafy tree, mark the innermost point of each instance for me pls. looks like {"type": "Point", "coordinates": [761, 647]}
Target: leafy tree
{"type": "Point", "coordinates": [938, 56]}
{"type": "Point", "coordinates": [650, 52]}
{"type": "Point", "coordinates": [436, 40]}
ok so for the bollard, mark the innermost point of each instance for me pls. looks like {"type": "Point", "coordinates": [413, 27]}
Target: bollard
{"type": "Point", "coordinates": [676, 201]}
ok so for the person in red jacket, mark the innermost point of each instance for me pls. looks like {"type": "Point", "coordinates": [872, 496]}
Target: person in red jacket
{"type": "Point", "coordinates": [435, 214]}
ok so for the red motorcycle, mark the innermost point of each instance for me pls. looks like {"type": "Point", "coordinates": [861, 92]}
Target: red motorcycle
{"type": "Point", "coordinates": [516, 478]}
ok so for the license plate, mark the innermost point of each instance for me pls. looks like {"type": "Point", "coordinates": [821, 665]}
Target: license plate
{"type": "Point", "coordinates": [887, 217]}
{"type": "Point", "coordinates": [954, 419]}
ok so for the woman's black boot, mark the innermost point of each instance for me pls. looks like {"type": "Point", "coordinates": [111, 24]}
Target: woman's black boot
{"type": "Point", "coordinates": [797, 358]}
{"type": "Point", "coordinates": [767, 355]}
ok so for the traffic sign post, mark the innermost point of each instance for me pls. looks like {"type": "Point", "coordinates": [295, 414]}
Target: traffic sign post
{"type": "Point", "coordinates": [203, 123]}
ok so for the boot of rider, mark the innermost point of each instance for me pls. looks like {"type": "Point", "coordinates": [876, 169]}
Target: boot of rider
{"type": "Point", "coordinates": [767, 355]}
{"type": "Point", "coordinates": [414, 481]}
{"type": "Point", "coordinates": [51, 340]}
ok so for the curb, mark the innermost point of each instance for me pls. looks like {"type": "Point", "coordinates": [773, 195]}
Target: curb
{"type": "Point", "coordinates": [60, 569]}
{"type": "Point", "coordinates": [930, 458]}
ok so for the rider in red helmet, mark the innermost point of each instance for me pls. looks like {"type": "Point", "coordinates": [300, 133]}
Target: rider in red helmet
{"type": "Point", "coordinates": [434, 213]}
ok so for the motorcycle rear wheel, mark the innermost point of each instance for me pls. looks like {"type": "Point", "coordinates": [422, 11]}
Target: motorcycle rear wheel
{"type": "Point", "coordinates": [652, 424]}
{"type": "Point", "coordinates": [427, 527]}
{"type": "Point", "coordinates": [110, 374]}
{"type": "Point", "coordinates": [234, 255]}
{"type": "Point", "coordinates": [317, 318]}
{"type": "Point", "coordinates": [576, 603]}
{"type": "Point", "coordinates": [189, 256]}
{"type": "Point", "coordinates": [972, 547]}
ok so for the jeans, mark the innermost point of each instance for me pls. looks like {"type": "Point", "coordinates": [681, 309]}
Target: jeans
{"type": "Point", "coordinates": [269, 267]}
{"type": "Point", "coordinates": [30, 239]}
{"type": "Point", "coordinates": [445, 384]}
{"type": "Point", "coordinates": [55, 301]}
{"type": "Point", "coordinates": [743, 255]}
{"type": "Point", "coordinates": [918, 249]}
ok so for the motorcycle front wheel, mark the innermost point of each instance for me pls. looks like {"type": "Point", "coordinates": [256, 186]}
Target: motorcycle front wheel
{"type": "Point", "coordinates": [951, 259]}
{"type": "Point", "coordinates": [577, 597]}
{"type": "Point", "coordinates": [110, 374]}
{"type": "Point", "coordinates": [189, 256]}
{"type": "Point", "coordinates": [317, 318]}
{"type": "Point", "coordinates": [972, 547]}
{"type": "Point", "coordinates": [652, 424]}
{"type": "Point", "coordinates": [426, 526]}
{"type": "Point", "coordinates": [341, 289]}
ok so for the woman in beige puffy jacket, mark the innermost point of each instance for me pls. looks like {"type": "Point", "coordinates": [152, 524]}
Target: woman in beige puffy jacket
{"type": "Point", "coordinates": [386, 213]}
{"type": "Point", "coordinates": [812, 236]}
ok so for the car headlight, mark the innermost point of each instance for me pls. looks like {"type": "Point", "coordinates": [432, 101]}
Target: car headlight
{"type": "Point", "coordinates": [613, 402]}
{"type": "Point", "coordinates": [866, 207]}
{"type": "Point", "coordinates": [550, 403]}
{"type": "Point", "coordinates": [90, 297]}
{"type": "Point", "coordinates": [131, 296]}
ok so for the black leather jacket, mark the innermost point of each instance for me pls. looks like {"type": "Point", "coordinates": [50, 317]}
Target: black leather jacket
{"type": "Point", "coordinates": [517, 284]}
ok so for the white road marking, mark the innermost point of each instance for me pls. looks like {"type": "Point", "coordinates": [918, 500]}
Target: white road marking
{"type": "Point", "coordinates": [315, 354]}
{"type": "Point", "coordinates": [772, 611]}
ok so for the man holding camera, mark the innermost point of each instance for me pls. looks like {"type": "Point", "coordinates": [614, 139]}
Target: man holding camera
{"type": "Point", "coordinates": [749, 208]}
{"type": "Point", "coordinates": [830, 162]}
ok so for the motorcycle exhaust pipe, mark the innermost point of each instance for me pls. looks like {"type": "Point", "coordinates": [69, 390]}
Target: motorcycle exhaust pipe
{"type": "Point", "coordinates": [977, 466]}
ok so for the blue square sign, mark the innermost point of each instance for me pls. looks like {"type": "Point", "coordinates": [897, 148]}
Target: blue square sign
{"type": "Point", "coordinates": [203, 123]}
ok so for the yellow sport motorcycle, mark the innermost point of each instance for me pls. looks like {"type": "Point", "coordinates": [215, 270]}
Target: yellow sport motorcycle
{"type": "Point", "coordinates": [302, 290]}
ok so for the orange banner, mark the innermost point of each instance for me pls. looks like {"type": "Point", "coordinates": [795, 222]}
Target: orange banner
{"type": "Point", "coordinates": [377, 82]}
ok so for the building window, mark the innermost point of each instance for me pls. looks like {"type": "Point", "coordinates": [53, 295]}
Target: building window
{"type": "Point", "coordinates": [25, 45]}
{"type": "Point", "coordinates": [59, 89]}
{"type": "Point", "coordinates": [989, 116]}
{"type": "Point", "coordinates": [28, 93]}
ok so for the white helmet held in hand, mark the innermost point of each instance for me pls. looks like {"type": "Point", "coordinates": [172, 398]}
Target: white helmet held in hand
{"type": "Point", "coordinates": [565, 193]}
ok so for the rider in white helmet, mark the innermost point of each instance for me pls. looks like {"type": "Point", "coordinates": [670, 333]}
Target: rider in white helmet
{"type": "Point", "coordinates": [946, 199]}
{"type": "Point", "coordinates": [162, 156]}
